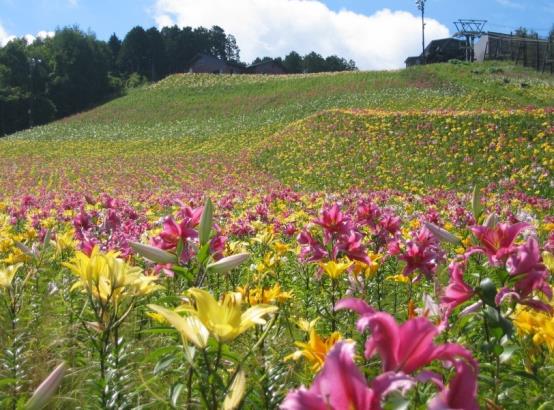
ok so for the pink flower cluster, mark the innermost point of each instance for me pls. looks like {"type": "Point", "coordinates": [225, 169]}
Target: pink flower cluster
{"type": "Point", "coordinates": [340, 238]}
{"type": "Point", "coordinates": [526, 272]}
{"type": "Point", "coordinates": [184, 234]}
{"type": "Point", "coordinates": [405, 350]}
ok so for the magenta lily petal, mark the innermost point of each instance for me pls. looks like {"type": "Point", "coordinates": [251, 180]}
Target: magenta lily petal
{"type": "Point", "coordinates": [339, 385]}
{"type": "Point", "coordinates": [360, 307]}
{"type": "Point", "coordinates": [461, 392]}
{"type": "Point", "coordinates": [457, 291]}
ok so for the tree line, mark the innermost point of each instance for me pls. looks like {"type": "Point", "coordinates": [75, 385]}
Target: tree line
{"type": "Point", "coordinates": [54, 77]}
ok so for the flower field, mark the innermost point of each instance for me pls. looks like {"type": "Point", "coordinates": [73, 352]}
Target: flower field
{"type": "Point", "coordinates": [331, 241]}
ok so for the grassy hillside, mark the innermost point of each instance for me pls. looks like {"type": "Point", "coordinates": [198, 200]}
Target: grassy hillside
{"type": "Point", "coordinates": [190, 127]}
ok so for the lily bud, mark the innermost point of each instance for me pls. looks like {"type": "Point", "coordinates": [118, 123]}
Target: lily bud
{"type": "Point", "coordinates": [206, 222]}
{"type": "Point", "coordinates": [476, 206]}
{"type": "Point", "coordinates": [228, 263]}
{"type": "Point", "coordinates": [491, 221]}
{"type": "Point", "coordinates": [153, 254]}
{"type": "Point", "coordinates": [442, 234]}
{"type": "Point", "coordinates": [235, 393]}
{"type": "Point", "coordinates": [25, 249]}
{"type": "Point", "coordinates": [46, 390]}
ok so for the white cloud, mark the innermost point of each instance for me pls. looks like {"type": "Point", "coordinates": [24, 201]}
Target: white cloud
{"type": "Point", "coordinates": [73, 3]}
{"type": "Point", "coordinates": [5, 38]}
{"type": "Point", "coordinates": [275, 27]}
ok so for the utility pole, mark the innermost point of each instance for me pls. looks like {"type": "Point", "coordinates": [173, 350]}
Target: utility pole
{"type": "Point", "coordinates": [421, 6]}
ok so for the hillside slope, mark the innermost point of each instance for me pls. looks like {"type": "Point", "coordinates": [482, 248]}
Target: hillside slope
{"type": "Point", "coordinates": [190, 129]}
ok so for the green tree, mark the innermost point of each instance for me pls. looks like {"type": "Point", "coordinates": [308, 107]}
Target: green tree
{"type": "Point", "coordinates": [134, 54]}
{"type": "Point", "coordinates": [80, 70]}
{"type": "Point", "coordinates": [114, 43]}
{"type": "Point", "coordinates": [156, 54]}
{"type": "Point", "coordinates": [293, 63]}
{"type": "Point", "coordinates": [313, 63]}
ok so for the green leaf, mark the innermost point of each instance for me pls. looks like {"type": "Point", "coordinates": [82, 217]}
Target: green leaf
{"type": "Point", "coordinates": [175, 393]}
{"type": "Point", "coordinates": [508, 353]}
{"type": "Point", "coordinates": [162, 351]}
{"type": "Point", "coordinates": [179, 249]}
{"type": "Point", "coordinates": [164, 363]}
{"type": "Point", "coordinates": [203, 253]}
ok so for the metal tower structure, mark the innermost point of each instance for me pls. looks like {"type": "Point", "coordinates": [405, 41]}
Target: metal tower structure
{"type": "Point", "coordinates": [470, 29]}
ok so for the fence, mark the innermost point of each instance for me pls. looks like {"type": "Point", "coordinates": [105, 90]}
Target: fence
{"type": "Point", "coordinates": [530, 52]}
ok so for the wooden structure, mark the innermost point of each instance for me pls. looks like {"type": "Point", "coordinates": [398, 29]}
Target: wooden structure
{"type": "Point", "coordinates": [439, 51]}
{"type": "Point", "coordinates": [530, 52]}
{"type": "Point", "coordinates": [266, 67]}
{"type": "Point", "coordinates": [206, 63]}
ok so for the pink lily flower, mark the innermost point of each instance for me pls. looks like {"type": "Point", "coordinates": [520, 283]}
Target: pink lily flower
{"type": "Point", "coordinates": [351, 245]}
{"type": "Point", "coordinates": [461, 393]}
{"type": "Point", "coordinates": [390, 223]}
{"type": "Point", "coordinates": [333, 221]}
{"type": "Point", "coordinates": [457, 291]}
{"type": "Point", "coordinates": [173, 232]}
{"type": "Point", "coordinates": [217, 244]}
{"type": "Point", "coordinates": [497, 242]}
{"type": "Point", "coordinates": [368, 214]}
{"type": "Point", "coordinates": [191, 217]}
{"type": "Point", "coordinates": [341, 385]}
{"type": "Point", "coordinates": [422, 253]}
{"type": "Point", "coordinates": [406, 347]}
{"type": "Point", "coordinates": [525, 266]}
{"type": "Point", "coordinates": [311, 250]}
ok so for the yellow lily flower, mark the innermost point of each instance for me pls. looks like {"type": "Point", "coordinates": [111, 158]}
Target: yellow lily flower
{"type": "Point", "coordinates": [225, 320]}
{"type": "Point", "coordinates": [258, 296]}
{"type": "Point", "coordinates": [307, 326]}
{"type": "Point", "coordinates": [398, 278]}
{"type": "Point", "coordinates": [334, 269]}
{"type": "Point", "coordinates": [65, 242]}
{"type": "Point", "coordinates": [281, 248]}
{"type": "Point", "coordinates": [316, 349]}
{"type": "Point", "coordinates": [7, 275]}
{"type": "Point", "coordinates": [370, 270]}
{"type": "Point", "coordinates": [190, 327]}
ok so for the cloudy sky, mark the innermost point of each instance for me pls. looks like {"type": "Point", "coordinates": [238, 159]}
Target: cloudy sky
{"type": "Point", "coordinates": [377, 34]}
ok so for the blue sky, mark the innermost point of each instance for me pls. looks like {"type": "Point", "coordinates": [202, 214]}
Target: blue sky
{"type": "Point", "coordinates": [21, 17]}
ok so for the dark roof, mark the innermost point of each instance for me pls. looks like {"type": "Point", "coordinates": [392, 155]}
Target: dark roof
{"type": "Point", "coordinates": [443, 43]}
{"type": "Point", "coordinates": [200, 55]}
{"type": "Point", "coordinates": [266, 62]}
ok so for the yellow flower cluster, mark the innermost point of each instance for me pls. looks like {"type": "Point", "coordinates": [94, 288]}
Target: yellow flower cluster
{"type": "Point", "coordinates": [260, 295]}
{"type": "Point", "coordinates": [538, 325]}
{"type": "Point", "coordinates": [108, 278]}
